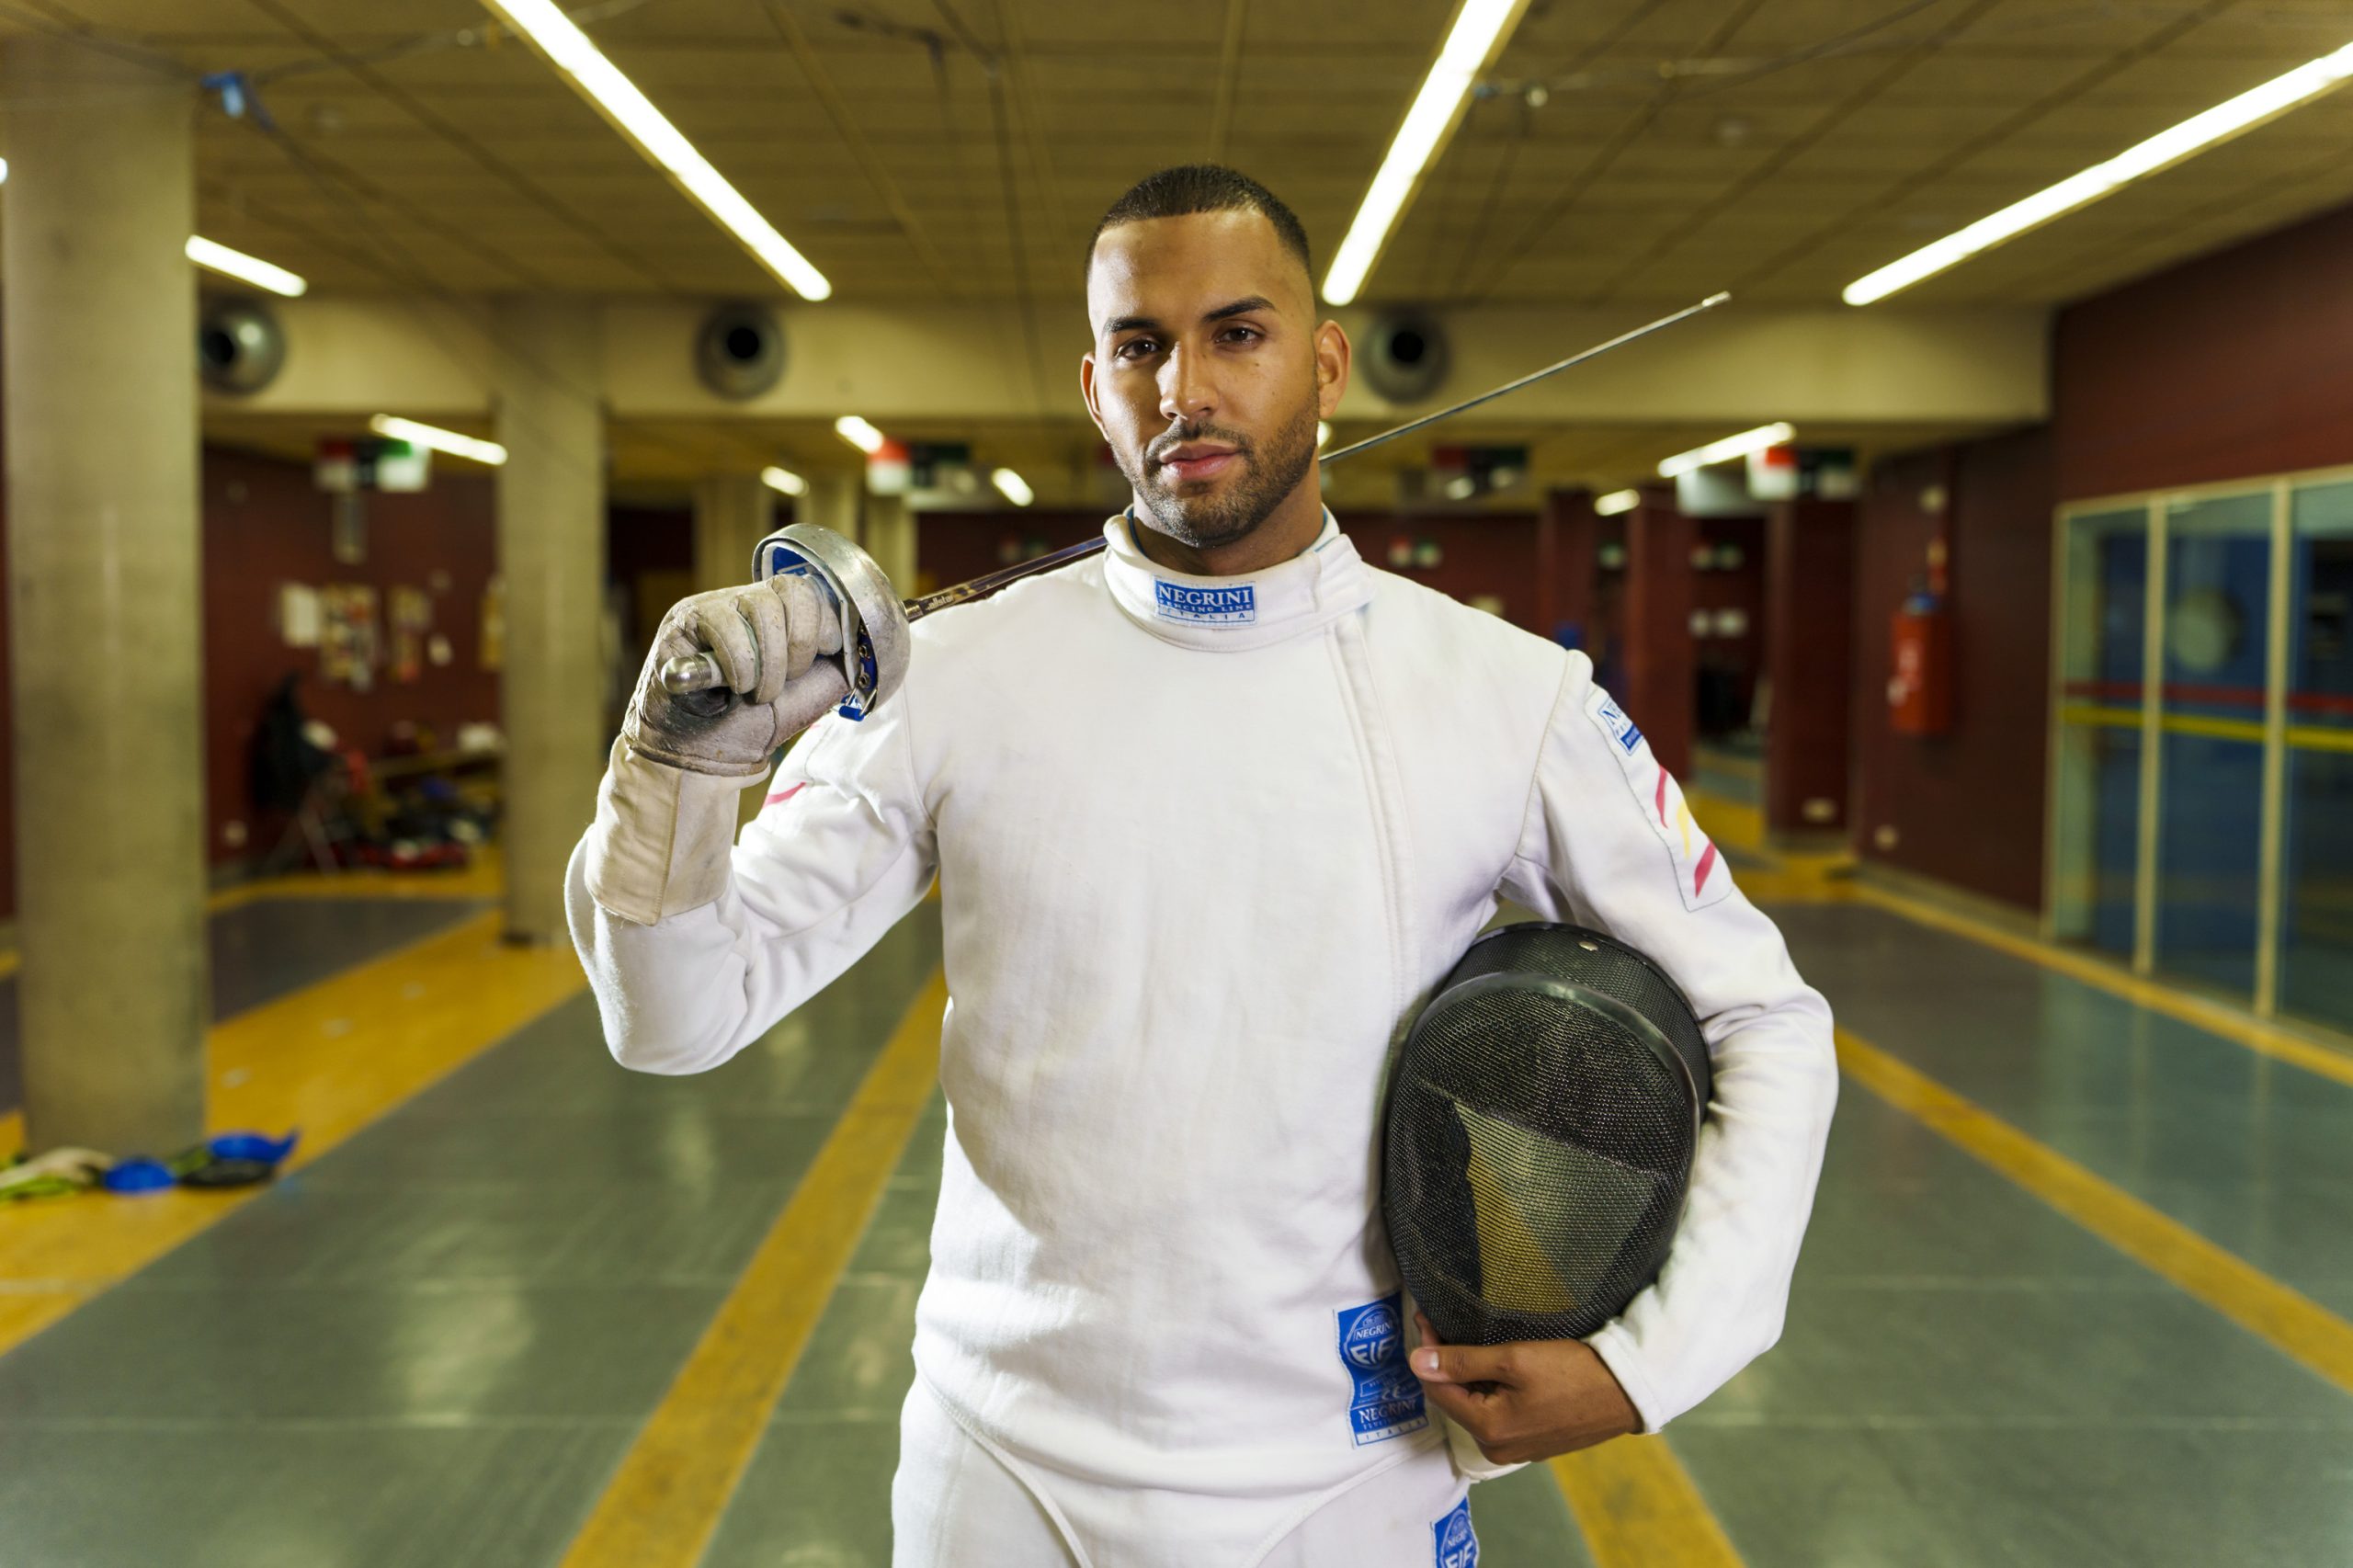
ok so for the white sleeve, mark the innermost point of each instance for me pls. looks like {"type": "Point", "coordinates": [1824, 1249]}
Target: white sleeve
{"type": "Point", "coordinates": [841, 849]}
{"type": "Point", "coordinates": [1608, 843]}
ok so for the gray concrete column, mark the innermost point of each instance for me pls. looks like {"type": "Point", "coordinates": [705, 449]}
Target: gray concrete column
{"type": "Point", "coordinates": [552, 557]}
{"type": "Point", "coordinates": [732, 513]}
{"type": "Point", "coordinates": [831, 501]}
{"type": "Point", "coordinates": [99, 323]}
{"type": "Point", "coordinates": [890, 537]}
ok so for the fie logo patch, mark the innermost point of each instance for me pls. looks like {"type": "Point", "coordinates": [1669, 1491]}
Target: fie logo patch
{"type": "Point", "coordinates": [1617, 726]}
{"type": "Point", "coordinates": [1180, 601]}
{"type": "Point", "coordinates": [1386, 1398]}
{"type": "Point", "coordinates": [1458, 1544]}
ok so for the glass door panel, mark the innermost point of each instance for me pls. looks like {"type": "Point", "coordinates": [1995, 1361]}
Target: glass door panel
{"type": "Point", "coordinates": [2098, 776]}
{"type": "Point", "coordinates": [2316, 869]}
{"type": "Point", "coordinates": [2216, 632]}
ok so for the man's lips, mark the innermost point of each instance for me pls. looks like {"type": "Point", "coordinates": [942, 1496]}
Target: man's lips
{"type": "Point", "coordinates": [1206, 463]}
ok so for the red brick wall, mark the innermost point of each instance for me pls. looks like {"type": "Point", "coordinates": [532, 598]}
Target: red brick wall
{"type": "Point", "coordinates": [1662, 661]}
{"type": "Point", "coordinates": [2237, 363]}
{"type": "Point", "coordinates": [265, 523]}
{"type": "Point", "coordinates": [1966, 806]}
{"type": "Point", "coordinates": [1811, 555]}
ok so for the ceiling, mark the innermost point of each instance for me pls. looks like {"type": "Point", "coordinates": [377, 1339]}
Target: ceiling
{"type": "Point", "coordinates": [963, 148]}
{"type": "Point", "coordinates": [1624, 152]}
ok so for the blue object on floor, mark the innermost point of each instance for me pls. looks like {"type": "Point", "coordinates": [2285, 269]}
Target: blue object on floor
{"type": "Point", "coordinates": [254, 1146]}
{"type": "Point", "coordinates": [137, 1176]}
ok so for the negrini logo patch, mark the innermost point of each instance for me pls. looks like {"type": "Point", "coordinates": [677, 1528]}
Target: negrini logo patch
{"type": "Point", "coordinates": [1386, 1398]}
{"type": "Point", "coordinates": [1174, 601]}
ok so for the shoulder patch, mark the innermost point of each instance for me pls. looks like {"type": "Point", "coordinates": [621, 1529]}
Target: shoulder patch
{"type": "Point", "coordinates": [1700, 878]}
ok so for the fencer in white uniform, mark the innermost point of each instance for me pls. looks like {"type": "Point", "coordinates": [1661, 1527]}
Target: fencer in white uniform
{"type": "Point", "coordinates": [1203, 843]}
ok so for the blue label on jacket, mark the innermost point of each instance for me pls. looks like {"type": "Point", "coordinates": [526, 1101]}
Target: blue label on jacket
{"type": "Point", "coordinates": [1180, 601]}
{"type": "Point", "coordinates": [1458, 1544]}
{"type": "Point", "coordinates": [1388, 1398]}
{"type": "Point", "coordinates": [1617, 727]}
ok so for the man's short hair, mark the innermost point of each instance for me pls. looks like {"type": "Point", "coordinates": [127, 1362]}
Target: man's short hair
{"type": "Point", "coordinates": [1204, 187]}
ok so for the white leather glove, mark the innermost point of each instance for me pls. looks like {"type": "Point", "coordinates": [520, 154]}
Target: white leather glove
{"type": "Point", "coordinates": [667, 810]}
{"type": "Point", "coordinates": [765, 637]}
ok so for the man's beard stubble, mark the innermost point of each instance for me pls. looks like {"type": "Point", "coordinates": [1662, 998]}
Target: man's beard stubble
{"type": "Point", "coordinates": [1269, 475]}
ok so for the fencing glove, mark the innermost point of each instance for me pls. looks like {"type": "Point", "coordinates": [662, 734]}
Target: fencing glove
{"type": "Point", "coordinates": [667, 810]}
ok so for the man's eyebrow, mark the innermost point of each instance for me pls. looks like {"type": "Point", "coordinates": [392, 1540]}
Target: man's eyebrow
{"type": "Point", "coordinates": [1241, 307]}
{"type": "Point", "coordinates": [1238, 308]}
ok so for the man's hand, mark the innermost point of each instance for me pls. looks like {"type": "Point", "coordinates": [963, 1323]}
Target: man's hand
{"type": "Point", "coordinates": [766, 637]}
{"type": "Point", "coordinates": [1524, 1402]}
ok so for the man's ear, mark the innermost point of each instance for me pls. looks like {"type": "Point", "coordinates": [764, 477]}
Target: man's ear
{"type": "Point", "coordinates": [1333, 356]}
{"type": "Point", "coordinates": [1087, 390]}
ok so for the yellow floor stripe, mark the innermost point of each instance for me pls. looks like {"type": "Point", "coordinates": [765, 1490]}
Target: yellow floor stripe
{"type": "Point", "coordinates": [1638, 1509]}
{"type": "Point", "coordinates": [2236, 1288]}
{"type": "Point", "coordinates": [329, 1058]}
{"type": "Point", "coordinates": [666, 1501]}
{"type": "Point", "coordinates": [2214, 1018]}
{"type": "Point", "coordinates": [1735, 824]}
{"type": "Point", "coordinates": [484, 878]}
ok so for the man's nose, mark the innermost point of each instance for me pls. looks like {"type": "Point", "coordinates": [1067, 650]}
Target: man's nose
{"type": "Point", "coordinates": [1187, 392]}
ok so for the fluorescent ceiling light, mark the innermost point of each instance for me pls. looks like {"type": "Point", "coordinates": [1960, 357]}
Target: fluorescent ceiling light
{"type": "Point", "coordinates": [248, 269]}
{"type": "Point", "coordinates": [3, 170]}
{"type": "Point", "coordinates": [1616, 501]}
{"type": "Point", "coordinates": [2162, 150]}
{"type": "Point", "coordinates": [783, 479]}
{"type": "Point", "coordinates": [858, 433]}
{"type": "Point", "coordinates": [441, 440]}
{"type": "Point", "coordinates": [1323, 433]}
{"type": "Point", "coordinates": [1012, 486]}
{"type": "Point", "coordinates": [1731, 446]}
{"type": "Point", "coordinates": [634, 116]}
{"type": "Point", "coordinates": [1479, 30]}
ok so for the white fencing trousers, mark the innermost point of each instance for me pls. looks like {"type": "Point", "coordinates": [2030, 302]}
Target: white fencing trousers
{"type": "Point", "coordinates": [957, 1504]}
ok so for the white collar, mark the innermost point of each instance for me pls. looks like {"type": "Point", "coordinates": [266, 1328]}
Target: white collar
{"type": "Point", "coordinates": [1316, 587]}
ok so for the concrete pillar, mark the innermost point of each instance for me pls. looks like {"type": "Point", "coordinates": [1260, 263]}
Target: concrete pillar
{"type": "Point", "coordinates": [552, 558]}
{"type": "Point", "coordinates": [1662, 666]}
{"type": "Point", "coordinates": [1809, 606]}
{"type": "Point", "coordinates": [104, 598]}
{"type": "Point", "coordinates": [732, 513]}
{"type": "Point", "coordinates": [890, 537]}
{"type": "Point", "coordinates": [831, 501]}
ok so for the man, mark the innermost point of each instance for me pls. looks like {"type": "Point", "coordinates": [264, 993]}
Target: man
{"type": "Point", "coordinates": [1211, 812]}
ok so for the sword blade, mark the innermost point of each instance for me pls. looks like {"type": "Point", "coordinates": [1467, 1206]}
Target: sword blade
{"type": "Point", "coordinates": [989, 583]}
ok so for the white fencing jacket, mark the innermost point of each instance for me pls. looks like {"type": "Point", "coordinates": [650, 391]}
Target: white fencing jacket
{"type": "Point", "coordinates": [1203, 847]}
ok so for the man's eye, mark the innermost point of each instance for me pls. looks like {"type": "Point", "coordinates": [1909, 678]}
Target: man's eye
{"type": "Point", "coordinates": [1242, 333]}
{"type": "Point", "coordinates": [1134, 347]}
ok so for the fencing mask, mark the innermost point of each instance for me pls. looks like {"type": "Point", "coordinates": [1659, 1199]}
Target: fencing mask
{"type": "Point", "coordinates": [1542, 1115]}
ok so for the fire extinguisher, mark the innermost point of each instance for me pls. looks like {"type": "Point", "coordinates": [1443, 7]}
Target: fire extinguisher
{"type": "Point", "coordinates": [1919, 683]}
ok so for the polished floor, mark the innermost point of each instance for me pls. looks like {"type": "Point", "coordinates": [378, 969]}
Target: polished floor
{"type": "Point", "coordinates": [268, 948]}
{"type": "Point", "coordinates": [2077, 1292]}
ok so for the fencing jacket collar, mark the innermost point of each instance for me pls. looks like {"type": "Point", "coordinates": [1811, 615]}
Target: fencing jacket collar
{"type": "Point", "coordinates": [1310, 590]}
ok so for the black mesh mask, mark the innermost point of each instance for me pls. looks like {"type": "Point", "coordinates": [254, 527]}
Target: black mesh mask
{"type": "Point", "coordinates": [1542, 1115]}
